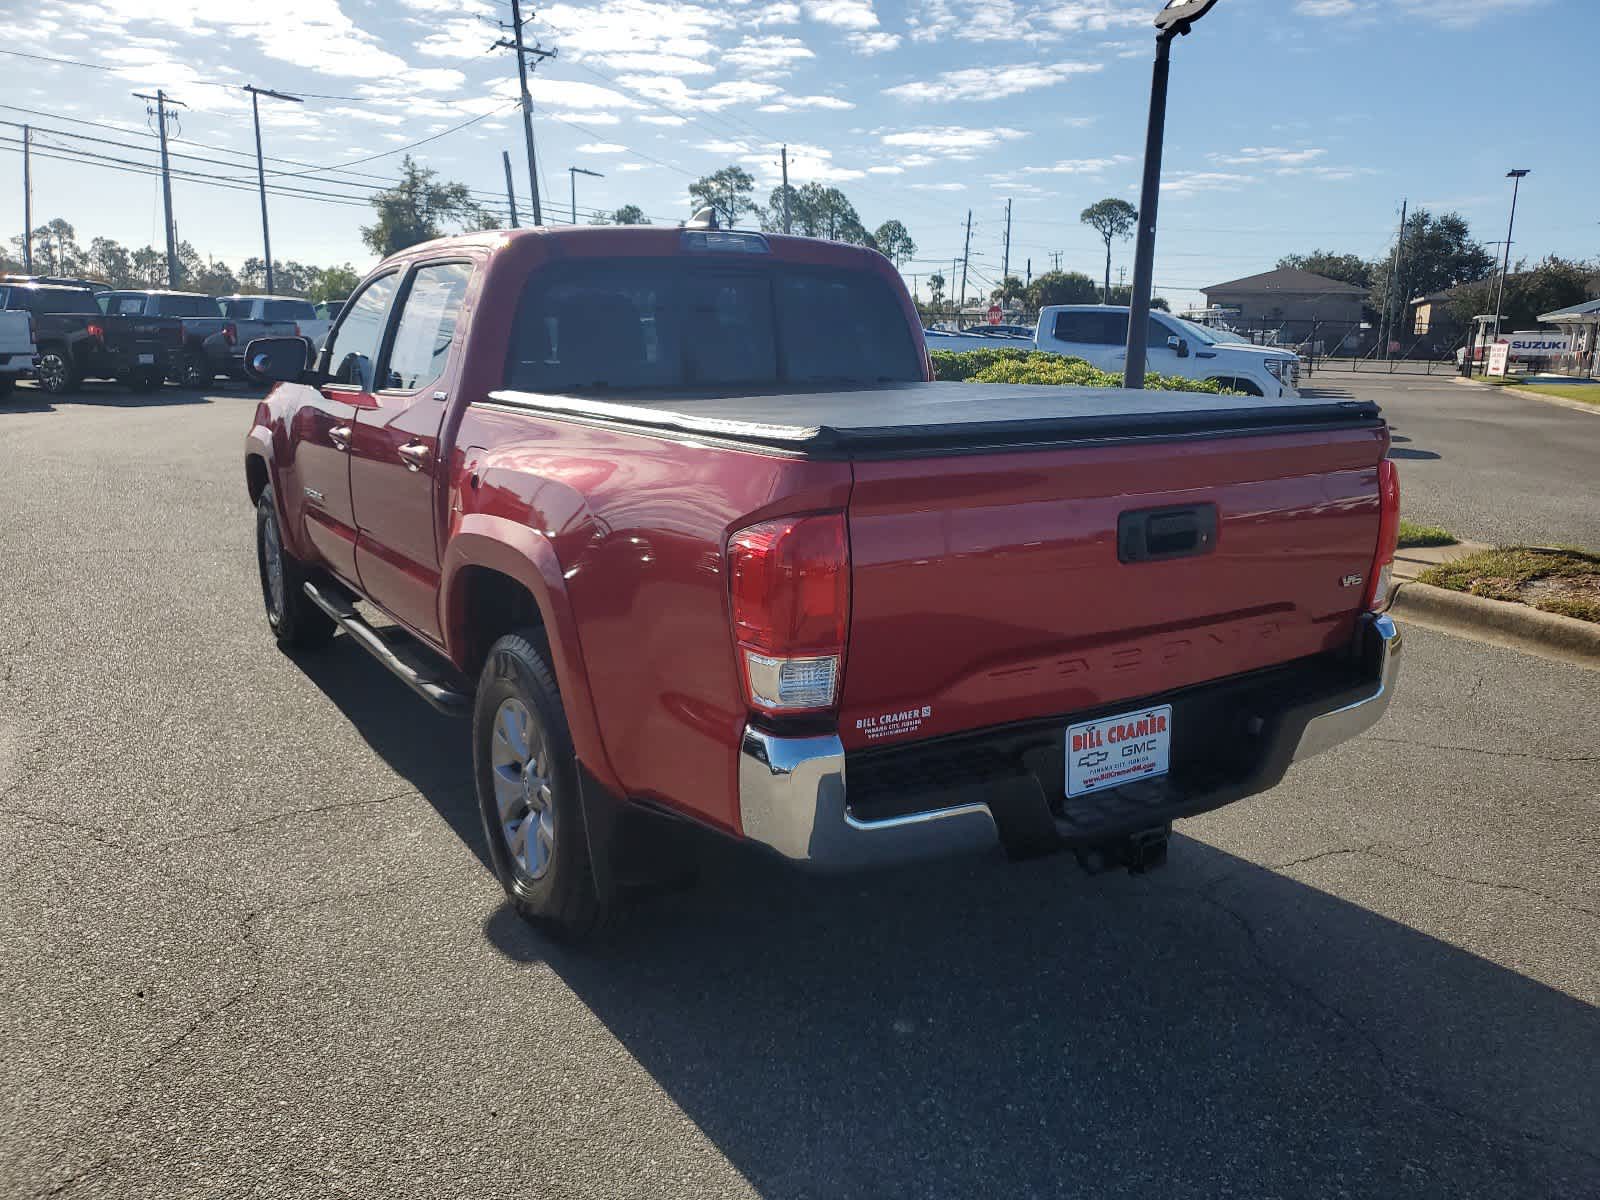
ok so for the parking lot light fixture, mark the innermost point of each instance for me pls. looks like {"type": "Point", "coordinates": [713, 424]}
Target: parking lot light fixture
{"type": "Point", "coordinates": [1516, 175]}
{"type": "Point", "coordinates": [572, 178]}
{"type": "Point", "coordinates": [1173, 21]}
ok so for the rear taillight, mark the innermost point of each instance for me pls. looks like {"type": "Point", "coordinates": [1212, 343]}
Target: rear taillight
{"type": "Point", "coordinates": [790, 586]}
{"type": "Point", "coordinates": [297, 332]}
{"type": "Point", "coordinates": [230, 334]}
{"type": "Point", "coordinates": [96, 330]}
{"type": "Point", "coordinates": [1388, 537]}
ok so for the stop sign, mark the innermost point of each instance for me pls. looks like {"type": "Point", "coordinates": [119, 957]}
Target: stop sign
{"type": "Point", "coordinates": [994, 314]}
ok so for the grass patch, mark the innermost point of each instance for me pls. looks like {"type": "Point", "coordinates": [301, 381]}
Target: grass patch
{"type": "Point", "coordinates": [1588, 393]}
{"type": "Point", "coordinates": [1412, 534]}
{"type": "Point", "coordinates": [1561, 581]}
{"type": "Point", "coordinates": [1035, 366]}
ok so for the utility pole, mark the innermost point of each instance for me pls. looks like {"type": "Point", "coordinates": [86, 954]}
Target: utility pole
{"type": "Point", "coordinates": [1056, 254]}
{"type": "Point", "coordinates": [572, 178]}
{"type": "Point", "coordinates": [261, 171]}
{"type": "Point", "coordinates": [966, 258]}
{"type": "Point", "coordinates": [786, 228]}
{"type": "Point", "coordinates": [1005, 257]}
{"type": "Point", "coordinates": [27, 201]}
{"type": "Point", "coordinates": [1386, 326]}
{"type": "Point", "coordinates": [1030, 271]}
{"type": "Point", "coordinates": [162, 100]}
{"type": "Point", "coordinates": [511, 195]}
{"type": "Point", "coordinates": [539, 53]}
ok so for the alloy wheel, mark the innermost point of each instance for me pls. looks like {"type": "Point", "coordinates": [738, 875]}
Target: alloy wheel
{"type": "Point", "coordinates": [520, 760]}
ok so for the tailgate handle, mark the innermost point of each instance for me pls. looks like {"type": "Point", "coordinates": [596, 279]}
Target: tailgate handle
{"type": "Point", "coordinates": [1156, 534]}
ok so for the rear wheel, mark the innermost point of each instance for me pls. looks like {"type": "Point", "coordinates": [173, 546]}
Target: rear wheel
{"type": "Point", "coordinates": [296, 621]}
{"type": "Point", "coordinates": [194, 373]}
{"type": "Point", "coordinates": [527, 781]}
{"type": "Point", "coordinates": [54, 371]}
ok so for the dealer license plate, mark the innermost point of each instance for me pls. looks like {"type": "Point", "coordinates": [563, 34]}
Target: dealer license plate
{"type": "Point", "coordinates": [1116, 750]}
{"type": "Point", "coordinates": [146, 360]}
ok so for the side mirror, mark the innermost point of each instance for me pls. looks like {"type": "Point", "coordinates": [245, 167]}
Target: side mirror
{"type": "Point", "coordinates": [1178, 345]}
{"type": "Point", "coordinates": [276, 359]}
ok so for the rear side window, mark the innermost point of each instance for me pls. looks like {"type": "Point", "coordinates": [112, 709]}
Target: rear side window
{"type": "Point", "coordinates": [427, 325]}
{"type": "Point", "coordinates": [680, 323]}
{"type": "Point", "coordinates": [290, 310]}
{"type": "Point", "coordinates": [353, 347]}
{"type": "Point", "coordinates": [1093, 328]}
{"type": "Point", "coordinates": [125, 306]}
{"type": "Point", "coordinates": [50, 301]}
{"type": "Point", "coordinates": [237, 310]}
{"type": "Point", "coordinates": [184, 306]}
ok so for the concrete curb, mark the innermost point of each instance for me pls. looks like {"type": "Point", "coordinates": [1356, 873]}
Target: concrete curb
{"type": "Point", "coordinates": [1501, 623]}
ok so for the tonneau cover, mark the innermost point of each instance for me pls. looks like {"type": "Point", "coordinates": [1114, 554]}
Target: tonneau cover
{"type": "Point", "coordinates": [922, 417]}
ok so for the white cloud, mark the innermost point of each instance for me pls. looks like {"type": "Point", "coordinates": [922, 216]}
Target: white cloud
{"type": "Point", "coordinates": [1330, 173]}
{"type": "Point", "coordinates": [799, 103]}
{"type": "Point", "coordinates": [601, 148]}
{"type": "Point", "coordinates": [1080, 166]}
{"type": "Point", "coordinates": [876, 42]}
{"type": "Point", "coordinates": [990, 83]}
{"type": "Point", "coordinates": [1189, 182]}
{"type": "Point", "coordinates": [886, 170]}
{"type": "Point", "coordinates": [583, 118]}
{"type": "Point", "coordinates": [663, 119]}
{"type": "Point", "coordinates": [674, 93]}
{"type": "Point", "coordinates": [661, 38]}
{"type": "Point", "coordinates": [807, 164]}
{"type": "Point", "coordinates": [782, 13]}
{"type": "Point", "coordinates": [1097, 16]}
{"type": "Point", "coordinates": [992, 21]}
{"type": "Point", "coordinates": [636, 166]}
{"type": "Point", "coordinates": [1280, 156]}
{"type": "Point", "coordinates": [722, 147]}
{"type": "Point", "coordinates": [367, 114]}
{"type": "Point", "coordinates": [937, 187]}
{"type": "Point", "coordinates": [845, 14]}
{"type": "Point", "coordinates": [570, 93]}
{"type": "Point", "coordinates": [950, 139]}
{"type": "Point", "coordinates": [772, 54]}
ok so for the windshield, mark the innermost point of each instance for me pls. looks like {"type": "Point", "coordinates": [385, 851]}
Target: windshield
{"type": "Point", "coordinates": [675, 324]}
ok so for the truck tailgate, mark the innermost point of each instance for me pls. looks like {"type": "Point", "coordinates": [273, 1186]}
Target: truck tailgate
{"type": "Point", "coordinates": [990, 588]}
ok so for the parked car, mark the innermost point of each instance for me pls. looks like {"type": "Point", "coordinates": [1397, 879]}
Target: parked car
{"type": "Point", "coordinates": [94, 285]}
{"type": "Point", "coordinates": [329, 310]}
{"type": "Point", "coordinates": [17, 349]}
{"type": "Point", "coordinates": [252, 317]}
{"type": "Point", "coordinates": [1099, 333]}
{"type": "Point", "coordinates": [76, 341]}
{"type": "Point", "coordinates": [200, 316]}
{"type": "Point", "coordinates": [679, 520]}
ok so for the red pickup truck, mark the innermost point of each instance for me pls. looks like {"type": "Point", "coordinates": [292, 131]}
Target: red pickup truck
{"type": "Point", "coordinates": [679, 518]}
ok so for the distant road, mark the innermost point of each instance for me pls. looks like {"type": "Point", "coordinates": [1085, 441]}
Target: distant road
{"type": "Point", "coordinates": [1487, 466]}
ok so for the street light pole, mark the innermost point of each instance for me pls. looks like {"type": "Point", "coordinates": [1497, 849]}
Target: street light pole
{"type": "Point", "coordinates": [261, 170]}
{"type": "Point", "coordinates": [572, 178]}
{"type": "Point", "coordinates": [1174, 21]}
{"type": "Point", "coordinates": [1516, 176]}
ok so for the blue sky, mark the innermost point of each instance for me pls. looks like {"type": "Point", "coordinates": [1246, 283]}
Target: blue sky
{"type": "Point", "coordinates": [1294, 124]}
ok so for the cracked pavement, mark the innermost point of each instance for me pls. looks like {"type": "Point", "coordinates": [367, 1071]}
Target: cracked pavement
{"type": "Point", "coordinates": [250, 948]}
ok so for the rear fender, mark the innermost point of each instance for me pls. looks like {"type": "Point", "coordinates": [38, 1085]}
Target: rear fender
{"type": "Point", "coordinates": [522, 554]}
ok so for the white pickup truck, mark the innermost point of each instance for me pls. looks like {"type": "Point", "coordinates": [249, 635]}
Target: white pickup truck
{"type": "Point", "coordinates": [1099, 333]}
{"type": "Point", "coordinates": [17, 351]}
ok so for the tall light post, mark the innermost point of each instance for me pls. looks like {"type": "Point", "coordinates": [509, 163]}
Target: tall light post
{"type": "Point", "coordinates": [261, 170]}
{"type": "Point", "coordinates": [572, 178]}
{"type": "Point", "coordinates": [1516, 176]}
{"type": "Point", "coordinates": [1173, 21]}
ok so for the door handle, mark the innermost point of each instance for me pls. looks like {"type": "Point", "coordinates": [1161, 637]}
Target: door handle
{"type": "Point", "coordinates": [339, 435]}
{"type": "Point", "coordinates": [414, 455]}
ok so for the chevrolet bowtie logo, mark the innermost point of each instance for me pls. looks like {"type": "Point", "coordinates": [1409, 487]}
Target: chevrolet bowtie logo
{"type": "Point", "coordinates": [1094, 759]}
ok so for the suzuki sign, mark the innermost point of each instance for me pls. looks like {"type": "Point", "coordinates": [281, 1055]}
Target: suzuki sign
{"type": "Point", "coordinates": [1538, 345]}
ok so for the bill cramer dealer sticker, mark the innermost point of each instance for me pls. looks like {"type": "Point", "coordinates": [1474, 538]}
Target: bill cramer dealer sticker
{"type": "Point", "coordinates": [1118, 750]}
{"type": "Point", "coordinates": [894, 724]}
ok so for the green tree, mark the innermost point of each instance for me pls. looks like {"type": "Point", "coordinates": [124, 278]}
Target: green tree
{"type": "Point", "coordinates": [629, 214]}
{"type": "Point", "coordinates": [1530, 292]}
{"type": "Point", "coordinates": [1346, 268]}
{"type": "Point", "coordinates": [1011, 289]}
{"type": "Point", "coordinates": [1111, 219]}
{"type": "Point", "coordinates": [1122, 293]}
{"type": "Point", "coordinates": [936, 290]}
{"type": "Point", "coordinates": [109, 260]}
{"type": "Point", "coordinates": [149, 268]}
{"type": "Point", "coordinates": [1061, 287]}
{"type": "Point", "coordinates": [1439, 253]}
{"type": "Point", "coordinates": [416, 209]}
{"type": "Point", "coordinates": [332, 283]}
{"type": "Point", "coordinates": [894, 242]}
{"type": "Point", "coordinates": [727, 190]}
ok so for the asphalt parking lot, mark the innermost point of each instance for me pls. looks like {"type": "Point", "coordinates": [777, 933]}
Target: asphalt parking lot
{"type": "Point", "coordinates": [250, 947]}
{"type": "Point", "coordinates": [1488, 466]}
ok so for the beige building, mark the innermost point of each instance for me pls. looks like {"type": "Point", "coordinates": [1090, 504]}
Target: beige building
{"type": "Point", "coordinates": [1297, 304]}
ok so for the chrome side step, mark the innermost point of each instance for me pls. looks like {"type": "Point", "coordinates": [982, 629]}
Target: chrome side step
{"type": "Point", "coordinates": [447, 700]}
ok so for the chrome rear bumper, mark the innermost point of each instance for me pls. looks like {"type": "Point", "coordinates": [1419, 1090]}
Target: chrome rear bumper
{"type": "Point", "coordinates": [792, 794]}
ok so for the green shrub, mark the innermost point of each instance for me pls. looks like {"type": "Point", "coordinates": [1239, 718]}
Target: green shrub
{"type": "Point", "coordinates": [1037, 367]}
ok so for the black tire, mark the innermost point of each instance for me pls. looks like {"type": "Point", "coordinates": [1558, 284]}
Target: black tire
{"type": "Point", "coordinates": [560, 896]}
{"type": "Point", "coordinates": [194, 372]}
{"type": "Point", "coordinates": [296, 622]}
{"type": "Point", "coordinates": [55, 371]}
